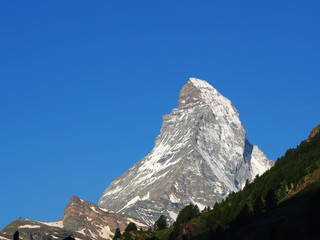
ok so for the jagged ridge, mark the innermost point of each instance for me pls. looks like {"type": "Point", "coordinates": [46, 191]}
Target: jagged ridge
{"type": "Point", "coordinates": [82, 219]}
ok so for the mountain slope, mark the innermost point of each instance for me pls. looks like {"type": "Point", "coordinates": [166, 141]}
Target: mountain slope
{"type": "Point", "coordinates": [200, 156]}
{"type": "Point", "coordinates": [82, 220]}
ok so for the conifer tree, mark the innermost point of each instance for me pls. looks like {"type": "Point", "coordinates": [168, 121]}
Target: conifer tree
{"type": "Point", "coordinates": [271, 200]}
{"type": "Point", "coordinates": [161, 223]}
{"type": "Point", "coordinates": [117, 234]}
{"type": "Point", "coordinates": [131, 227]}
{"type": "Point", "coordinates": [258, 206]}
{"type": "Point", "coordinates": [16, 235]}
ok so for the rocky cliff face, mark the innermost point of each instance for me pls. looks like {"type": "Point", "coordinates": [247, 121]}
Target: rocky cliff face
{"type": "Point", "coordinates": [93, 221]}
{"type": "Point", "coordinates": [314, 131]}
{"type": "Point", "coordinates": [82, 220]}
{"type": "Point", "coordinates": [200, 156]}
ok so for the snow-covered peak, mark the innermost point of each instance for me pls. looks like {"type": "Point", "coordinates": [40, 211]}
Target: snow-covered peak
{"type": "Point", "coordinates": [200, 156]}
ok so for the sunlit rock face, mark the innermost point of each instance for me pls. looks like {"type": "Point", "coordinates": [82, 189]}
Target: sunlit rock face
{"type": "Point", "coordinates": [82, 220]}
{"type": "Point", "coordinates": [200, 156]}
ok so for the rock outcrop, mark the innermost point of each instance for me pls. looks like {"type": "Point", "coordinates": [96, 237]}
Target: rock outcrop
{"type": "Point", "coordinates": [314, 131]}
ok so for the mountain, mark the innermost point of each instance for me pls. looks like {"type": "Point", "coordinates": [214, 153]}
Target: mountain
{"type": "Point", "coordinates": [82, 220]}
{"type": "Point", "coordinates": [200, 156]}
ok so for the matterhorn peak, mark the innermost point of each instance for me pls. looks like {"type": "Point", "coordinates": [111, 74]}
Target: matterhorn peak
{"type": "Point", "coordinates": [200, 156]}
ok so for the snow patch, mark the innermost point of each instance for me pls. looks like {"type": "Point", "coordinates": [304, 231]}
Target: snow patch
{"type": "Point", "coordinates": [105, 232]}
{"type": "Point", "coordinates": [29, 226]}
{"type": "Point", "coordinates": [146, 196]}
{"type": "Point", "coordinates": [200, 206]}
{"type": "Point", "coordinates": [134, 200]}
{"type": "Point", "coordinates": [92, 234]}
{"type": "Point", "coordinates": [3, 238]}
{"type": "Point", "coordinates": [106, 210]}
{"type": "Point", "coordinates": [58, 224]}
{"type": "Point", "coordinates": [139, 224]}
{"type": "Point", "coordinates": [117, 189]}
{"type": "Point", "coordinates": [93, 209]}
{"type": "Point", "coordinates": [173, 215]}
{"type": "Point", "coordinates": [82, 231]}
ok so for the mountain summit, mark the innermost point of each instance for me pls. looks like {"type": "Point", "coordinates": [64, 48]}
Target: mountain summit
{"type": "Point", "coordinates": [200, 156]}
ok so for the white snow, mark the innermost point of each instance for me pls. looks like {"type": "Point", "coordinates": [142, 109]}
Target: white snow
{"type": "Point", "coordinates": [94, 209]}
{"type": "Point", "coordinates": [200, 206]}
{"type": "Point", "coordinates": [134, 200]}
{"type": "Point", "coordinates": [173, 215]}
{"type": "Point", "coordinates": [29, 226]}
{"type": "Point", "coordinates": [146, 196]}
{"type": "Point", "coordinates": [105, 232]}
{"type": "Point", "coordinates": [117, 189]}
{"type": "Point", "coordinates": [259, 162]}
{"type": "Point", "coordinates": [3, 238]}
{"type": "Point", "coordinates": [82, 231]}
{"type": "Point", "coordinates": [139, 224]}
{"type": "Point", "coordinates": [200, 83]}
{"type": "Point", "coordinates": [93, 235]}
{"type": "Point", "coordinates": [106, 210]}
{"type": "Point", "coordinates": [58, 224]}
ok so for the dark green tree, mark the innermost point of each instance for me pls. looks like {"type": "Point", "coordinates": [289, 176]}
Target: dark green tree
{"type": "Point", "coordinates": [16, 235]}
{"type": "Point", "coordinates": [117, 234]}
{"type": "Point", "coordinates": [271, 200]}
{"type": "Point", "coordinates": [131, 227]}
{"type": "Point", "coordinates": [126, 235]}
{"type": "Point", "coordinates": [161, 223]}
{"type": "Point", "coordinates": [258, 206]}
{"type": "Point", "coordinates": [247, 182]}
{"type": "Point", "coordinates": [187, 213]}
{"type": "Point", "coordinates": [244, 215]}
{"type": "Point", "coordinates": [219, 233]}
{"type": "Point", "coordinates": [175, 231]}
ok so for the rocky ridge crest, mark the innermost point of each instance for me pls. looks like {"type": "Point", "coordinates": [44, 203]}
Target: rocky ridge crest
{"type": "Point", "coordinates": [82, 219]}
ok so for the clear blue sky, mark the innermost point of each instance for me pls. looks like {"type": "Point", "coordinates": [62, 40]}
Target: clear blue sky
{"type": "Point", "coordinates": [84, 85]}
